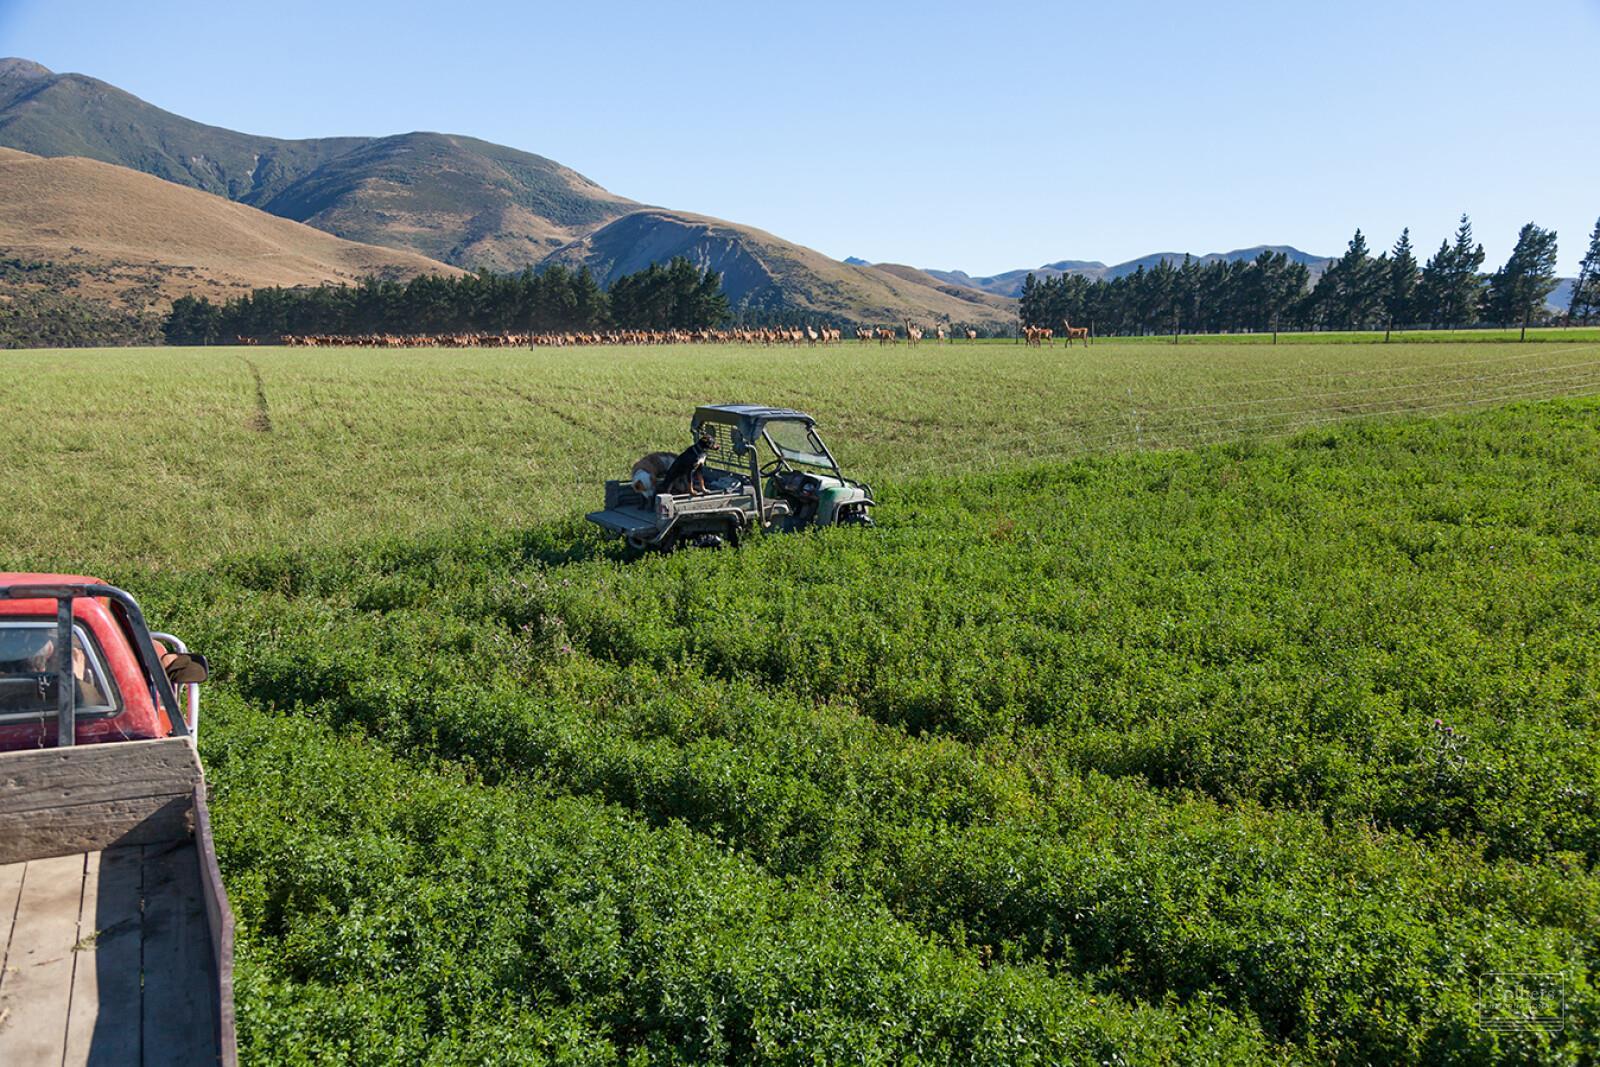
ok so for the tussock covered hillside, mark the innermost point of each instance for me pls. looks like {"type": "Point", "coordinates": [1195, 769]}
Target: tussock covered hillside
{"type": "Point", "coordinates": [132, 228]}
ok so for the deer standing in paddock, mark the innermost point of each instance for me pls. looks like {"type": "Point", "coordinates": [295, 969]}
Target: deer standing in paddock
{"type": "Point", "coordinates": [913, 333]}
{"type": "Point", "coordinates": [1076, 333]}
{"type": "Point", "coordinates": [939, 332]}
{"type": "Point", "coordinates": [972, 335]}
{"type": "Point", "coordinates": [887, 336]}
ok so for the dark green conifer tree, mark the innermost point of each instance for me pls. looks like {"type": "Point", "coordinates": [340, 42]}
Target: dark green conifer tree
{"type": "Point", "coordinates": [1586, 290]}
{"type": "Point", "coordinates": [1517, 290]}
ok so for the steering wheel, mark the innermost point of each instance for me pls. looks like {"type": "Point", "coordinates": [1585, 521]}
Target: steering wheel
{"type": "Point", "coordinates": [771, 468]}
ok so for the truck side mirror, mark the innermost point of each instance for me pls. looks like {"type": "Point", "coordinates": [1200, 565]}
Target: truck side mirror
{"type": "Point", "coordinates": [187, 668]}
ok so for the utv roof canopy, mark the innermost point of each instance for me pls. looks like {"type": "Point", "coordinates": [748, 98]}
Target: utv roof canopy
{"type": "Point", "coordinates": [746, 416]}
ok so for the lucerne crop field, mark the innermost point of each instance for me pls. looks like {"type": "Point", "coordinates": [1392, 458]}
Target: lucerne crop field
{"type": "Point", "coordinates": [1190, 703]}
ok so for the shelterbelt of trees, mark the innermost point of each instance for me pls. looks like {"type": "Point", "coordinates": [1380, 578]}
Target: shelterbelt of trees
{"type": "Point", "coordinates": [1358, 291]}
{"type": "Point", "coordinates": [675, 297]}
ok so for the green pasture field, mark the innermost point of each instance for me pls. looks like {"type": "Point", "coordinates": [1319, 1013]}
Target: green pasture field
{"type": "Point", "coordinates": [175, 456]}
{"type": "Point", "coordinates": [1186, 706]}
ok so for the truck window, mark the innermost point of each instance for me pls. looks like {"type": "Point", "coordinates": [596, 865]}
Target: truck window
{"type": "Point", "coordinates": [27, 685]}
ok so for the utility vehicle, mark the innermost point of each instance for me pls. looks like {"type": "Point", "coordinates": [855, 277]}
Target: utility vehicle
{"type": "Point", "coordinates": [767, 470]}
{"type": "Point", "coordinates": [119, 935]}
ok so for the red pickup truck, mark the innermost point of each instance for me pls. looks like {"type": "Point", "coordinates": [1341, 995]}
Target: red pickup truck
{"type": "Point", "coordinates": [118, 931]}
{"type": "Point", "coordinates": [117, 668]}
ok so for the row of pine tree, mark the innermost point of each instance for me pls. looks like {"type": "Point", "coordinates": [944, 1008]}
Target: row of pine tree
{"type": "Point", "coordinates": [676, 296]}
{"type": "Point", "coordinates": [1356, 291]}
{"type": "Point", "coordinates": [1271, 292]}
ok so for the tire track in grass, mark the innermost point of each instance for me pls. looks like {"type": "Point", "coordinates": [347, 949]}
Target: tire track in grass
{"type": "Point", "coordinates": [261, 420]}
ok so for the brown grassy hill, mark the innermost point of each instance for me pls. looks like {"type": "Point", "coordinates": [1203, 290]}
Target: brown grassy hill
{"type": "Point", "coordinates": [950, 289]}
{"type": "Point", "coordinates": [137, 232]}
{"type": "Point", "coordinates": [457, 199]}
{"type": "Point", "coordinates": [761, 271]}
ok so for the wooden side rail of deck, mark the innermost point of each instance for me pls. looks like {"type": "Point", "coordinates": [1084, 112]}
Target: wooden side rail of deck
{"type": "Point", "coordinates": [116, 939]}
{"type": "Point", "coordinates": [85, 798]}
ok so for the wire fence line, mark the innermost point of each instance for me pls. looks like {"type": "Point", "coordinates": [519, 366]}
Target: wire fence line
{"type": "Point", "coordinates": [1354, 403]}
{"type": "Point", "coordinates": [1375, 388]}
{"type": "Point", "coordinates": [1592, 388]}
{"type": "Point", "coordinates": [1363, 372]}
{"type": "Point", "coordinates": [1155, 429]}
{"type": "Point", "coordinates": [1133, 426]}
{"type": "Point", "coordinates": [1351, 401]}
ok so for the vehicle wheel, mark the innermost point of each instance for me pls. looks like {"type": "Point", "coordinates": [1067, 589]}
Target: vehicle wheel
{"type": "Point", "coordinates": [667, 544]}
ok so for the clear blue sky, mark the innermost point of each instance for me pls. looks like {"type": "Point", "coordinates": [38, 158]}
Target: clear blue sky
{"type": "Point", "coordinates": [983, 136]}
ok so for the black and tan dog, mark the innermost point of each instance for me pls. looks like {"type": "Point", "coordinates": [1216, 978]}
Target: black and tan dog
{"type": "Point", "coordinates": [689, 469]}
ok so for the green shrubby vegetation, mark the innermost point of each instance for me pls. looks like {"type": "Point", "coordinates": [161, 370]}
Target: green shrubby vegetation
{"type": "Point", "coordinates": [40, 309]}
{"type": "Point", "coordinates": [1263, 751]}
{"type": "Point", "coordinates": [401, 913]}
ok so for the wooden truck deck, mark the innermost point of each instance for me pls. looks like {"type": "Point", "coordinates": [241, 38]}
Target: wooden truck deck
{"type": "Point", "coordinates": [107, 959]}
{"type": "Point", "coordinates": [114, 931]}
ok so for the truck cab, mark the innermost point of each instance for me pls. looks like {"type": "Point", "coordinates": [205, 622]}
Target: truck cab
{"type": "Point", "coordinates": [115, 694]}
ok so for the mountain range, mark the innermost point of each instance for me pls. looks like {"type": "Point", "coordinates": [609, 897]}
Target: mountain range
{"type": "Point", "coordinates": [321, 209]}
{"type": "Point", "coordinates": [452, 199]}
{"type": "Point", "coordinates": [1010, 282]}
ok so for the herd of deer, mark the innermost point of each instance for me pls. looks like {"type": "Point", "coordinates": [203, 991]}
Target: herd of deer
{"type": "Point", "coordinates": [1044, 335]}
{"type": "Point", "coordinates": [810, 335]}
{"type": "Point", "coordinates": [826, 335]}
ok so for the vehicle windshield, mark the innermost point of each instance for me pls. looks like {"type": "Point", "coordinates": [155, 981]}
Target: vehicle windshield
{"type": "Point", "coordinates": [797, 442]}
{"type": "Point", "coordinates": [27, 669]}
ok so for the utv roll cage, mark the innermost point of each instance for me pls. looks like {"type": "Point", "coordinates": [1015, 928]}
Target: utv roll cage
{"type": "Point", "coordinates": [736, 430]}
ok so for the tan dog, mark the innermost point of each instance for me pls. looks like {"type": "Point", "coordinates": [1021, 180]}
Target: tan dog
{"type": "Point", "coordinates": [648, 470]}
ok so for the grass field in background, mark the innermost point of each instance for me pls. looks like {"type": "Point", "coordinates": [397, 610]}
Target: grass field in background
{"type": "Point", "coordinates": [176, 456]}
{"type": "Point", "coordinates": [1284, 747]}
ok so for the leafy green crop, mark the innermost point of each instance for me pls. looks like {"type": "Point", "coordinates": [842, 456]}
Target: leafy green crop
{"type": "Point", "coordinates": [1257, 752]}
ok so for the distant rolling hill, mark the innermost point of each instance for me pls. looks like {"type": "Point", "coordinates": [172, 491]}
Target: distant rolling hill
{"type": "Point", "coordinates": [124, 230]}
{"type": "Point", "coordinates": [763, 271]}
{"type": "Point", "coordinates": [51, 114]}
{"type": "Point", "coordinates": [457, 199]}
{"type": "Point", "coordinates": [429, 199]}
{"type": "Point", "coordinates": [1010, 282]}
